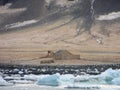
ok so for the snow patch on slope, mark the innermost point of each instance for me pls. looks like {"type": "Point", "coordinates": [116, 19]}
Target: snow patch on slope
{"type": "Point", "coordinates": [110, 16]}
{"type": "Point", "coordinates": [20, 24]}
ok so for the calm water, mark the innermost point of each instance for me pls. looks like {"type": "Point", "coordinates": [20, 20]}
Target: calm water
{"type": "Point", "coordinates": [36, 87]}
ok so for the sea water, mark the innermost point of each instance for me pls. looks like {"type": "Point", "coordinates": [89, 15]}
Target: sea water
{"type": "Point", "coordinates": [110, 79]}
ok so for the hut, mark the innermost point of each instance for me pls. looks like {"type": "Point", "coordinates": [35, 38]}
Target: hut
{"type": "Point", "coordinates": [65, 55]}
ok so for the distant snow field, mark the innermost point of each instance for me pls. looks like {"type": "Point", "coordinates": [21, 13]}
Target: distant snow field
{"type": "Point", "coordinates": [110, 16]}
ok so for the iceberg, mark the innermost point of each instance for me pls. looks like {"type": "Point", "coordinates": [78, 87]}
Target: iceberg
{"type": "Point", "coordinates": [3, 82]}
{"type": "Point", "coordinates": [67, 79]}
{"type": "Point", "coordinates": [32, 77]}
{"type": "Point", "coordinates": [116, 81]}
{"type": "Point", "coordinates": [51, 80]}
{"type": "Point", "coordinates": [111, 76]}
{"type": "Point", "coordinates": [108, 77]}
{"type": "Point", "coordinates": [56, 80]}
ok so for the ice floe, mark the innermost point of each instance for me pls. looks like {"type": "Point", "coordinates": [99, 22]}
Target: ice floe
{"type": "Point", "coordinates": [51, 80]}
{"type": "Point", "coordinates": [3, 82]}
{"type": "Point", "coordinates": [109, 77]}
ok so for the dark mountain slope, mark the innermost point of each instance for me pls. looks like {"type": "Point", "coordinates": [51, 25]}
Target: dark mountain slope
{"type": "Point", "coordinates": [33, 10]}
{"type": "Point", "coordinates": [106, 6]}
{"type": "Point", "coordinates": [83, 10]}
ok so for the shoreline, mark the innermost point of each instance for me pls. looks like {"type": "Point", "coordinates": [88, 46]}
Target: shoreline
{"type": "Point", "coordinates": [53, 69]}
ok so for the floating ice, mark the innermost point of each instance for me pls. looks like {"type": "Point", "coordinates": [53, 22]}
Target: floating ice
{"type": "Point", "coordinates": [20, 82]}
{"type": "Point", "coordinates": [3, 82]}
{"type": "Point", "coordinates": [116, 81]}
{"type": "Point", "coordinates": [67, 79]}
{"type": "Point", "coordinates": [33, 77]}
{"type": "Point", "coordinates": [20, 72]}
{"type": "Point", "coordinates": [51, 80]}
{"type": "Point", "coordinates": [109, 77]}
{"type": "Point", "coordinates": [17, 77]}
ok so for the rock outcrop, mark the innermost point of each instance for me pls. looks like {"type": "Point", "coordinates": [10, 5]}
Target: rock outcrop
{"type": "Point", "coordinates": [62, 55]}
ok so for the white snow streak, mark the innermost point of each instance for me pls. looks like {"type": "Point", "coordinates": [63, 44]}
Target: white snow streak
{"type": "Point", "coordinates": [20, 24]}
{"type": "Point", "coordinates": [110, 16]}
